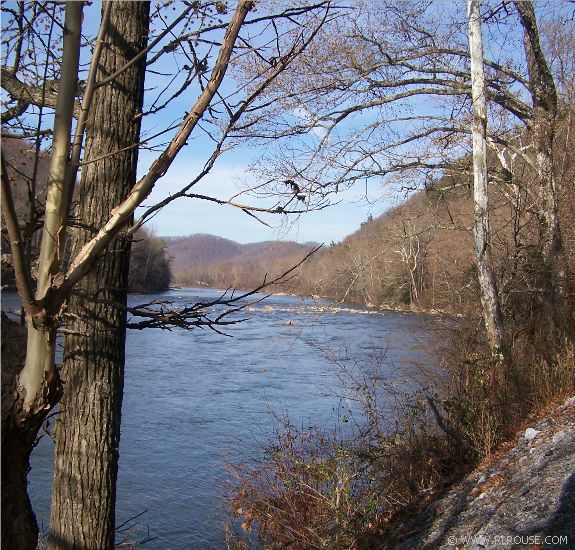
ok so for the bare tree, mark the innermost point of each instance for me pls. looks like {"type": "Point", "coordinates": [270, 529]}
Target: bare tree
{"type": "Point", "coordinates": [32, 392]}
{"type": "Point", "coordinates": [35, 389]}
{"type": "Point", "coordinates": [542, 127]}
{"type": "Point", "coordinates": [487, 284]}
{"type": "Point", "coordinates": [396, 105]}
{"type": "Point", "coordinates": [412, 253]}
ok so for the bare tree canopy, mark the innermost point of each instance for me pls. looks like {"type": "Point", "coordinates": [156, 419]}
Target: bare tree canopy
{"type": "Point", "coordinates": [60, 93]}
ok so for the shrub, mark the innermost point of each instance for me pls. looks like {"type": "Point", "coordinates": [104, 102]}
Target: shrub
{"type": "Point", "coordinates": [350, 488]}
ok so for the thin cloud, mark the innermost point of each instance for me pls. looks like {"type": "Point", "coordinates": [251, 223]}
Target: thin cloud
{"type": "Point", "coordinates": [307, 118]}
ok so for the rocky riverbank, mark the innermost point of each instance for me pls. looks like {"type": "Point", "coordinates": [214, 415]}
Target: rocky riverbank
{"type": "Point", "coordinates": [524, 499]}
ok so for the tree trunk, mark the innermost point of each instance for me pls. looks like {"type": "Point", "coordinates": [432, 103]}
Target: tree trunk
{"type": "Point", "coordinates": [542, 128]}
{"type": "Point", "coordinates": [30, 385]}
{"type": "Point", "coordinates": [488, 288]}
{"type": "Point", "coordinates": [88, 427]}
{"type": "Point", "coordinates": [19, 431]}
{"type": "Point", "coordinates": [19, 527]}
{"type": "Point", "coordinates": [21, 530]}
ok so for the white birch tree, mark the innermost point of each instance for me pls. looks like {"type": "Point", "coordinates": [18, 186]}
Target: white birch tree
{"type": "Point", "coordinates": [487, 284]}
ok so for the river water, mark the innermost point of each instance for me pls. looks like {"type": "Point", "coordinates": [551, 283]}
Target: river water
{"type": "Point", "coordinates": [196, 400]}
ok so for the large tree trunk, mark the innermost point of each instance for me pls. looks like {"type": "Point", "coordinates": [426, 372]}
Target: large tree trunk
{"type": "Point", "coordinates": [487, 283]}
{"type": "Point", "coordinates": [88, 427]}
{"type": "Point", "coordinates": [542, 128]}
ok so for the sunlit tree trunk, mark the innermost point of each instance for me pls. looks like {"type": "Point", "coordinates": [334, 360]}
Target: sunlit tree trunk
{"type": "Point", "coordinates": [19, 528]}
{"type": "Point", "coordinates": [488, 288]}
{"type": "Point", "coordinates": [88, 427]}
{"type": "Point", "coordinates": [29, 394]}
{"type": "Point", "coordinates": [542, 128]}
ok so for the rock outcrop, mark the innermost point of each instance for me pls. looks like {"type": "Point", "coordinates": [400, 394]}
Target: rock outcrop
{"type": "Point", "coordinates": [524, 499]}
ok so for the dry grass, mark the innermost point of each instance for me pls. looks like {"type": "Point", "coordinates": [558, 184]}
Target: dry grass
{"type": "Point", "coordinates": [321, 490]}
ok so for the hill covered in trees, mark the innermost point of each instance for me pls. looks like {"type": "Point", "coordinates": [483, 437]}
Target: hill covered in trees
{"type": "Point", "coordinates": [149, 264]}
{"type": "Point", "coordinates": [417, 255]}
{"type": "Point", "coordinates": [207, 260]}
{"type": "Point", "coordinates": [28, 172]}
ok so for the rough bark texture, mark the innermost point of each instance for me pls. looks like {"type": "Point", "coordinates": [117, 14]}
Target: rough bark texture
{"type": "Point", "coordinates": [20, 427]}
{"type": "Point", "coordinates": [88, 428]}
{"type": "Point", "coordinates": [19, 432]}
{"type": "Point", "coordinates": [542, 129]}
{"type": "Point", "coordinates": [21, 530]}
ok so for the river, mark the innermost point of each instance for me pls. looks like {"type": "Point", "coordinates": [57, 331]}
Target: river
{"type": "Point", "coordinates": [196, 400]}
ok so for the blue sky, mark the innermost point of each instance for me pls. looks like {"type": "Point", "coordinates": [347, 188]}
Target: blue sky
{"type": "Point", "coordinates": [230, 175]}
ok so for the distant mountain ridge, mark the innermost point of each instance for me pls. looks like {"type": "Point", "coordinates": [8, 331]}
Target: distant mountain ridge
{"type": "Point", "coordinates": [208, 260]}
{"type": "Point", "coordinates": [205, 249]}
{"type": "Point", "coordinates": [200, 249]}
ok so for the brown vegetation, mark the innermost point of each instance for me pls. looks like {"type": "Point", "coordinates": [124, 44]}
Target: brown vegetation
{"type": "Point", "coordinates": [318, 489]}
{"type": "Point", "coordinates": [28, 171]}
{"type": "Point", "coordinates": [322, 489]}
{"type": "Point", "coordinates": [149, 264]}
{"type": "Point", "coordinates": [210, 261]}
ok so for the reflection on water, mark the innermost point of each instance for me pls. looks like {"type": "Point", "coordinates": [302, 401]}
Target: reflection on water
{"type": "Point", "coordinates": [196, 400]}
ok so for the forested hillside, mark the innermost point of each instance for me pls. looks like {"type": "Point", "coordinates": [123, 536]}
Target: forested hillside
{"type": "Point", "coordinates": [207, 260]}
{"type": "Point", "coordinates": [28, 170]}
{"type": "Point", "coordinates": [419, 254]}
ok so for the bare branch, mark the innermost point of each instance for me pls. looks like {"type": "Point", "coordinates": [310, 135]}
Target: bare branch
{"type": "Point", "coordinates": [21, 268]}
{"type": "Point", "coordinates": [35, 95]}
{"type": "Point", "coordinates": [53, 232]}
{"type": "Point", "coordinates": [14, 111]}
{"type": "Point", "coordinates": [160, 314]}
{"type": "Point", "coordinates": [198, 316]}
{"type": "Point", "coordinates": [85, 258]}
{"type": "Point", "coordinates": [82, 119]}
{"type": "Point", "coordinates": [234, 117]}
{"type": "Point", "coordinates": [449, 430]}
{"type": "Point", "coordinates": [289, 14]}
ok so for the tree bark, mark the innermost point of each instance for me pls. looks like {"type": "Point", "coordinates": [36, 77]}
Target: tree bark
{"type": "Point", "coordinates": [488, 288]}
{"type": "Point", "coordinates": [19, 431]}
{"type": "Point", "coordinates": [30, 386]}
{"type": "Point", "coordinates": [88, 427]}
{"type": "Point", "coordinates": [542, 128]}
